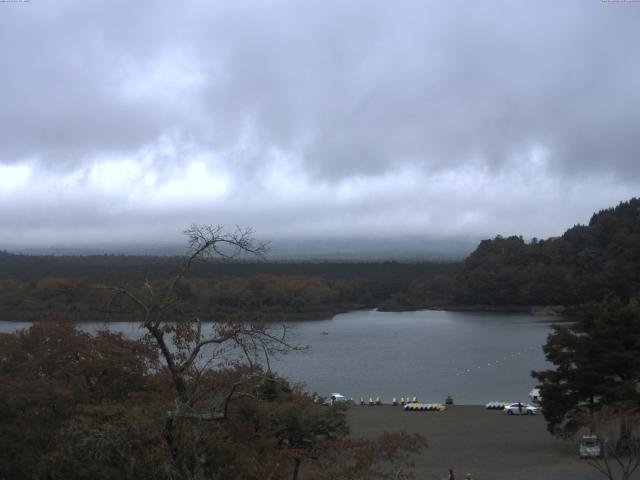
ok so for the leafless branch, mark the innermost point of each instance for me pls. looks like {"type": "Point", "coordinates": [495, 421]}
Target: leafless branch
{"type": "Point", "coordinates": [228, 398]}
{"type": "Point", "coordinates": [182, 342]}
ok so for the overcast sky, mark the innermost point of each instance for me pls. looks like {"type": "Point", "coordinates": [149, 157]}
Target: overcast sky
{"type": "Point", "coordinates": [129, 120]}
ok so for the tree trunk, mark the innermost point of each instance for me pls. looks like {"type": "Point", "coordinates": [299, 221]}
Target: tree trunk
{"type": "Point", "coordinates": [296, 468]}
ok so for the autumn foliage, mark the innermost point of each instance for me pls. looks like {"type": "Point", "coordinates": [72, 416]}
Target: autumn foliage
{"type": "Point", "coordinates": [77, 406]}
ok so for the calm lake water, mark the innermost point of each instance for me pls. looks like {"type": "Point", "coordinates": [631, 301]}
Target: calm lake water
{"type": "Point", "coordinates": [474, 357]}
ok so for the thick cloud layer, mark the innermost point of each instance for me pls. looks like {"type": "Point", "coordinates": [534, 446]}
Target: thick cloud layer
{"type": "Point", "coordinates": [127, 121]}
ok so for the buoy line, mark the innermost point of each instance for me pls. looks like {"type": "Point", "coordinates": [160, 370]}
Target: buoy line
{"type": "Point", "coordinates": [496, 362]}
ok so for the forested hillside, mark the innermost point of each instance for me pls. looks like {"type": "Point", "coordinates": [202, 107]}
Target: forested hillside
{"type": "Point", "coordinates": [583, 265]}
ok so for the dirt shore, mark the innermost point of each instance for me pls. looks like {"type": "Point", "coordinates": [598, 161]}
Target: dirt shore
{"type": "Point", "coordinates": [486, 443]}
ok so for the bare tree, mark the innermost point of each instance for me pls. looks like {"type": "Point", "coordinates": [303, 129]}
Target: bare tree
{"type": "Point", "coordinates": [619, 433]}
{"type": "Point", "coordinates": [190, 348]}
{"type": "Point", "coordinates": [187, 348]}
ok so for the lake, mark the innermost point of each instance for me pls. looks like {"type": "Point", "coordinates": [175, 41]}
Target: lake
{"type": "Point", "coordinates": [474, 357]}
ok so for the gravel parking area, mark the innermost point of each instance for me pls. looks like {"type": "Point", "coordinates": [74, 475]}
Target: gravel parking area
{"type": "Point", "coordinates": [486, 443]}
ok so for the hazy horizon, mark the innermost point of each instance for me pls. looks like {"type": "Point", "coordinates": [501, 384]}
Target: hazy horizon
{"type": "Point", "coordinates": [294, 249]}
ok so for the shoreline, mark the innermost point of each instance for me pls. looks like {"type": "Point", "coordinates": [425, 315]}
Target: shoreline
{"type": "Point", "coordinates": [323, 314]}
{"type": "Point", "coordinates": [539, 310]}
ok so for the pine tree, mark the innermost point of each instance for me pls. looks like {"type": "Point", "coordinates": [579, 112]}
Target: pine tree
{"type": "Point", "coordinates": [597, 363]}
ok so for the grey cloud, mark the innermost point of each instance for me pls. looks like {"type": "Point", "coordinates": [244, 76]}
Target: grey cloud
{"type": "Point", "coordinates": [349, 87]}
{"type": "Point", "coordinates": [439, 86]}
{"type": "Point", "coordinates": [341, 92]}
{"type": "Point", "coordinates": [61, 88]}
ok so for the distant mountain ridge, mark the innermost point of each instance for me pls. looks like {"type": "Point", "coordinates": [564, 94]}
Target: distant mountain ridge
{"type": "Point", "coordinates": [303, 249]}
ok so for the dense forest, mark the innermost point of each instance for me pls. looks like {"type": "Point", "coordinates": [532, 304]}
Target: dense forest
{"type": "Point", "coordinates": [33, 286]}
{"type": "Point", "coordinates": [584, 264]}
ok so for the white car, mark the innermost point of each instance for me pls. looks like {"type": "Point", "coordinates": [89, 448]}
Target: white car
{"type": "Point", "coordinates": [334, 398]}
{"type": "Point", "coordinates": [520, 408]}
